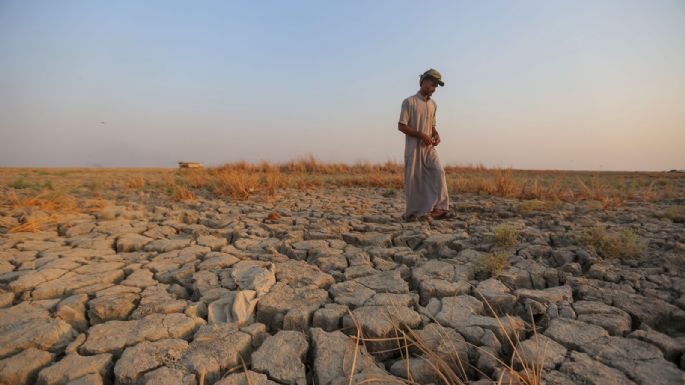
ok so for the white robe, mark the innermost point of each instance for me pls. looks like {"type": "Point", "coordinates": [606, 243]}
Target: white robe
{"type": "Point", "coordinates": [425, 186]}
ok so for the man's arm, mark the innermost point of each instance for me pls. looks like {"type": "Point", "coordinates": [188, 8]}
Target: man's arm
{"type": "Point", "coordinates": [415, 133]}
{"type": "Point", "coordinates": [403, 126]}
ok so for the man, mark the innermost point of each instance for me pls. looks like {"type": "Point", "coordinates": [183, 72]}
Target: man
{"type": "Point", "coordinates": [425, 186]}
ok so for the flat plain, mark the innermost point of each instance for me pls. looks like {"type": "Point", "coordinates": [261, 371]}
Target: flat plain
{"type": "Point", "coordinates": [305, 273]}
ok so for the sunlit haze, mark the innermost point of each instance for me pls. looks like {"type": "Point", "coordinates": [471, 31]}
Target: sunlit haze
{"type": "Point", "coordinates": [529, 84]}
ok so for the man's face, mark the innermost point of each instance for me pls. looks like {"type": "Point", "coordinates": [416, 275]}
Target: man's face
{"type": "Point", "coordinates": [428, 86]}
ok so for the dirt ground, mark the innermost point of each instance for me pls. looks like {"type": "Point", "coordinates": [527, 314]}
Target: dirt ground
{"type": "Point", "coordinates": [289, 274]}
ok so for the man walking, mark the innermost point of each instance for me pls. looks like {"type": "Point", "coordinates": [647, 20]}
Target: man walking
{"type": "Point", "coordinates": [425, 186]}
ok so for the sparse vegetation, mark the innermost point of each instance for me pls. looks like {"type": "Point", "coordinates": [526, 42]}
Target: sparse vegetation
{"type": "Point", "coordinates": [622, 244]}
{"type": "Point", "coordinates": [23, 183]}
{"type": "Point", "coordinates": [273, 181]}
{"type": "Point", "coordinates": [183, 194]}
{"type": "Point", "coordinates": [492, 264]}
{"type": "Point", "coordinates": [237, 184]}
{"type": "Point", "coordinates": [25, 209]}
{"type": "Point", "coordinates": [36, 212]}
{"type": "Point", "coordinates": [135, 182]}
{"type": "Point", "coordinates": [443, 357]}
{"type": "Point", "coordinates": [505, 235]}
{"type": "Point", "coordinates": [241, 180]}
{"type": "Point", "coordinates": [390, 193]}
{"type": "Point", "coordinates": [675, 213]}
{"type": "Point", "coordinates": [532, 205]}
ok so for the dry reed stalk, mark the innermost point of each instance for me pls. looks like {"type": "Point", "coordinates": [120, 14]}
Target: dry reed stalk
{"type": "Point", "coordinates": [183, 194]}
{"type": "Point", "coordinates": [55, 206]}
{"type": "Point", "coordinates": [649, 194]}
{"type": "Point", "coordinates": [308, 172]}
{"type": "Point", "coordinates": [237, 184]}
{"type": "Point", "coordinates": [611, 189]}
{"type": "Point", "coordinates": [135, 182]}
{"type": "Point", "coordinates": [34, 224]}
{"type": "Point", "coordinates": [273, 181]}
{"type": "Point", "coordinates": [531, 373]}
{"type": "Point", "coordinates": [198, 179]}
{"type": "Point", "coordinates": [505, 184]}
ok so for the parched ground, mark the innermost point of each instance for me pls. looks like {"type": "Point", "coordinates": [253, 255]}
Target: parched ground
{"type": "Point", "coordinates": [152, 291]}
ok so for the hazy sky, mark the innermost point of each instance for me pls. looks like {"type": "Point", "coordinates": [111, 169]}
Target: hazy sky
{"type": "Point", "coordinates": [529, 84]}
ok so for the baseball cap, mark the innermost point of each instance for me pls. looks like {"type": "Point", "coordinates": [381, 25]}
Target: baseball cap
{"type": "Point", "coordinates": [433, 74]}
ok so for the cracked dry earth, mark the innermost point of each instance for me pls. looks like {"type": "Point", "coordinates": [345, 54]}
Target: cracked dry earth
{"type": "Point", "coordinates": [182, 293]}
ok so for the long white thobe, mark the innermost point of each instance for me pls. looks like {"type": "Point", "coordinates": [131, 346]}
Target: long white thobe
{"type": "Point", "coordinates": [425, 186]}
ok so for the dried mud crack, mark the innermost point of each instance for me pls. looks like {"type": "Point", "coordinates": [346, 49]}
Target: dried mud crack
{"type": "Point", "coordinates": [331, 286]}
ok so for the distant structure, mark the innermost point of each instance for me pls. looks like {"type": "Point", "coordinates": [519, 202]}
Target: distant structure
{"type": "Point", "coordinates": [678, 171]}
{"type": "Point", "coordinates": [189, 165]}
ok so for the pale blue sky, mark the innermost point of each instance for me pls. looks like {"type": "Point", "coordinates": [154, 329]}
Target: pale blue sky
{"type": "Point", "coordinates": [529, 84]}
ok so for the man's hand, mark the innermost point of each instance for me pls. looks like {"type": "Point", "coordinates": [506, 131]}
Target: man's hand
{"type": "Point", "coordinates": [427, 140]}
{"type": "Point", "coordinates": [436, 139]}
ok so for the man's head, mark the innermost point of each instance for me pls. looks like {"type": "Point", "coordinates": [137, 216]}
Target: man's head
{"type": "Point", "coordinates": [429, 81]}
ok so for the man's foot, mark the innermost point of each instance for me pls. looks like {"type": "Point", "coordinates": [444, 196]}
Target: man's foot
{"type": "Point", "coordinates": [440, 214]}
{"type": "Point", "coordinates": [415, 218]}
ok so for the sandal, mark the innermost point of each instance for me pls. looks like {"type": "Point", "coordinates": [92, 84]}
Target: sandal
{"type": "Point", "coordinates": [441, 214]}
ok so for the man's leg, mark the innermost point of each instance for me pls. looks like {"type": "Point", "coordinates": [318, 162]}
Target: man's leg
{"type": "Point", "coordinates": [418, 193]}
{"type": "Point", "coordinates": [442, 202]}
{"type": "Point", "coordinates": [409, 193]}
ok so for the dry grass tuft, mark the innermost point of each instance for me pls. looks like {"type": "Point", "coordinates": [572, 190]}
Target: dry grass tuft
{"type": "Point", "coordinates": [234, 183]}
{"type": "Point", "coordinates": [675, 213]}
{"type": "Point", "coordinates": [273, 181]}
{"type": "Point", "coordinates": [505, 185]}
{"type": "Point", "coordinates": [135, 182]}
{"type": "Point", "coordinates": [183, 194]}
{"type": "Point", "coordinates": [505, 235]}
{"type": "Point", "coordinates": [197, 178]}
{"type": "Point", "coordinates": [34, 223]}
{"type": "Point", "coordinates": [623, 244]}
{"type": "Point", "coordinates": [45, 209]}
{"type": "Point", "coordinates": [492, 264]}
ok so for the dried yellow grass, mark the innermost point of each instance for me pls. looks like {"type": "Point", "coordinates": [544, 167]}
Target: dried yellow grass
{"type": "Point", "coordinates": [234, 183]}
{"type": "Point", "coordinates": [45, 209]}
{"type": "Point", "coordinates": [135, 182]}
{"type": "Point", "coordinates": [242, 180]}
{"type": "Point", "coordinates": [455, 373]}
{"type": "Point", "coordinates": [183, 194]}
